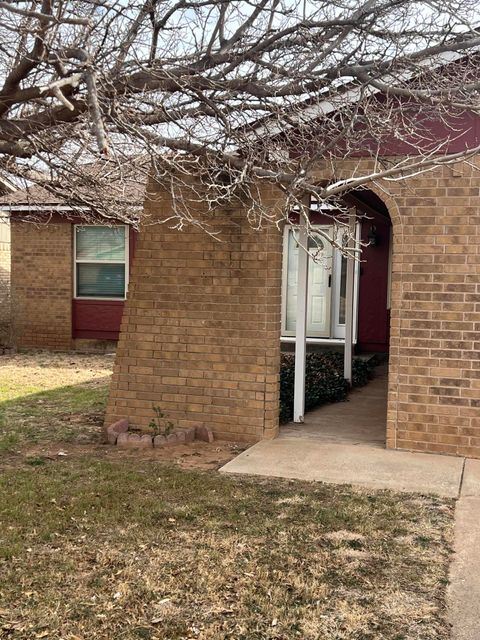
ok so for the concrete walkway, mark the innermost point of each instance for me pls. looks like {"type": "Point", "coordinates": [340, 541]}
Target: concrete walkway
{"type": "Point", "coordinates": [360, 419]}
{"type": "Point", "coordinates": [374, 468]}
{"type": "Point", "coordinates": [371, 467]}
{"type": "Point", "coordinates": [464, 587]}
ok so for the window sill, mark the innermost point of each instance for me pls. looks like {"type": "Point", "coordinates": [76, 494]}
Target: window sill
{"type": "Point", "coordinates": [100, 299]}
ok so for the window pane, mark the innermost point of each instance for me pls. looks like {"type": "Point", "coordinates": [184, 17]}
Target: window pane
{"type": "Point", "coordinates": [100, 243]}
{"type": "Point", "coordinates": [101, 280]}
{"type": "Point", "coordinates": [316, 244]}
{"type": "Point", "coordinates": [343, 290]}
{"type": "Point", "coordinates": [292, 277]}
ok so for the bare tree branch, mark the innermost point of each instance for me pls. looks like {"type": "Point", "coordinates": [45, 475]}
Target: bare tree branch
{"type": "Point", "coordinates": [9, 6]}
{"type": "Point", "coordinates": [236, 92]}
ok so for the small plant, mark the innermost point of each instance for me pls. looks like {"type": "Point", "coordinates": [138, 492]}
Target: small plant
{"type": "Point", "coordinates": [159, 423]}
{"type": "Point", "coordinates": [36, 461]}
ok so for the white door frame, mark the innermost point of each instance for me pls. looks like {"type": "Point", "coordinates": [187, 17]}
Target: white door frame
{"type": "Point", "coordinates": [337, 331]}
{"type": "Point", "coordinates": [291, 333]}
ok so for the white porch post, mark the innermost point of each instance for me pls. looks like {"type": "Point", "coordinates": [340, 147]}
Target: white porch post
{"type": "Point", "coordinates": [301, 326]}
{"type": "Point", "coordinates": [349, 294]}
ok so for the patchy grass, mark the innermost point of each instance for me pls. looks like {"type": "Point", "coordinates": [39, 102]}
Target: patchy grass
{"type": "Point", "coordinates": [47, 397]}
{"type": "Point", "coordinates": [51, 402]}
{"type": "Point", "coordinates": [109, 549]}
{"type": "Point", "coordinates": [104, 543]}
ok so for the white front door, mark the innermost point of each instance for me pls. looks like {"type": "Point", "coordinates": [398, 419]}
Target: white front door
{"type": "Point", "coordinates": [319, 285]}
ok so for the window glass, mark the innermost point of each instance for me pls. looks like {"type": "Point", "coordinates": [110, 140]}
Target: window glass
{"type": "Point", "coordinates": [100, 280]}
{"type": "Point", "coordinates": [100, 262]}
{"type": "Point", "coordinates": [101, 243]}
{"type": "Point", "coordinates": [343, 291]}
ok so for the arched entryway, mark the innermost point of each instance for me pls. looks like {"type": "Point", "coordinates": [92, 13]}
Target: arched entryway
{"type": "Point", "coordinates": [330, 293]}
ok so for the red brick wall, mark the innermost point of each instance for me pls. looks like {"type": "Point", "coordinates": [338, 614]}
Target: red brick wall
{"type": "Point", "coordinates": [42, 284]}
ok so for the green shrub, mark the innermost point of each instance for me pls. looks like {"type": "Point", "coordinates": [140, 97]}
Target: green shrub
{"type": "Point", "coordinates": [324, 381]}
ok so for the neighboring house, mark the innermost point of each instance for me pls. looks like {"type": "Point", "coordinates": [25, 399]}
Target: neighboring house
{"type": "Point", "coordinates": [69, 279]}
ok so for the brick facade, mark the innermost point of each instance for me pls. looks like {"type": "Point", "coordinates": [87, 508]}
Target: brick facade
{"type": "Point", "coordinates": [201, 328]}
{"type": "Point", "coordinates": [42, 285]}
{"type": "Point", "coordinates": [200, 336]}
{"type": "Point", "coordinates": [434, 367]}
{"type": "Point", "coordinates": [200, 333]}
{"type": "Point", "coordinates": [4, 281]}
{"type": "Point", "coordinates": [434, 378]}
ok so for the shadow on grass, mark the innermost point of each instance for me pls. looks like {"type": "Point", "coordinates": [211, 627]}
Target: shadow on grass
{"type": "Point", "coordinates": [107, 548]}
{"type": "Point", "coordinates": [71, 413]}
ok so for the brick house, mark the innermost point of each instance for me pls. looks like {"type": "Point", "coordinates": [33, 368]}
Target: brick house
{"type": "Point", "coordinates": [202, 327]}
{"type": "Point", "coordinates": [69, 278]}
{"type": "Point", "coordinates": [204, 322]}
{"type": "Point", "coordinates": [52, 256]}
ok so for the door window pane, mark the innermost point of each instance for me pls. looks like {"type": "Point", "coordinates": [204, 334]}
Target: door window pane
{"type": "Point", "coordinates": [316, 245]}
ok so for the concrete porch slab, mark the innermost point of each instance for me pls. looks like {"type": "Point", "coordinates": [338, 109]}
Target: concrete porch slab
{"type": "Point", "coordinates": [371, 467]}
{"type": "Point", "coordinates": [360, 420]}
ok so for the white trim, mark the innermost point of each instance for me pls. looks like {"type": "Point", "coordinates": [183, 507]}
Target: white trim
{"type": "Point", "coordinates": [125, 262]}
{"type": "Point", "coordinates": [327, 106]}
{"type": "Point", "coordinates": [301, 325]}
{"type": "Point", "coordinates": [44, 207]}
{"type": "Point", "coordinates": [54, 207]}
{"type": "Point", "coordinates": [99, 261]}
{"type": "Point", "coordinates": [326, 341]}
{"type": "Point", "coordinates": [337, 331]}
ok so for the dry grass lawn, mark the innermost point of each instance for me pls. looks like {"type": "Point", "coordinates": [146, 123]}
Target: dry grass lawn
{"type": "Point", "coordinates": [52, 397]}
{"type": "Point", "coordinates": [99, 545]}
